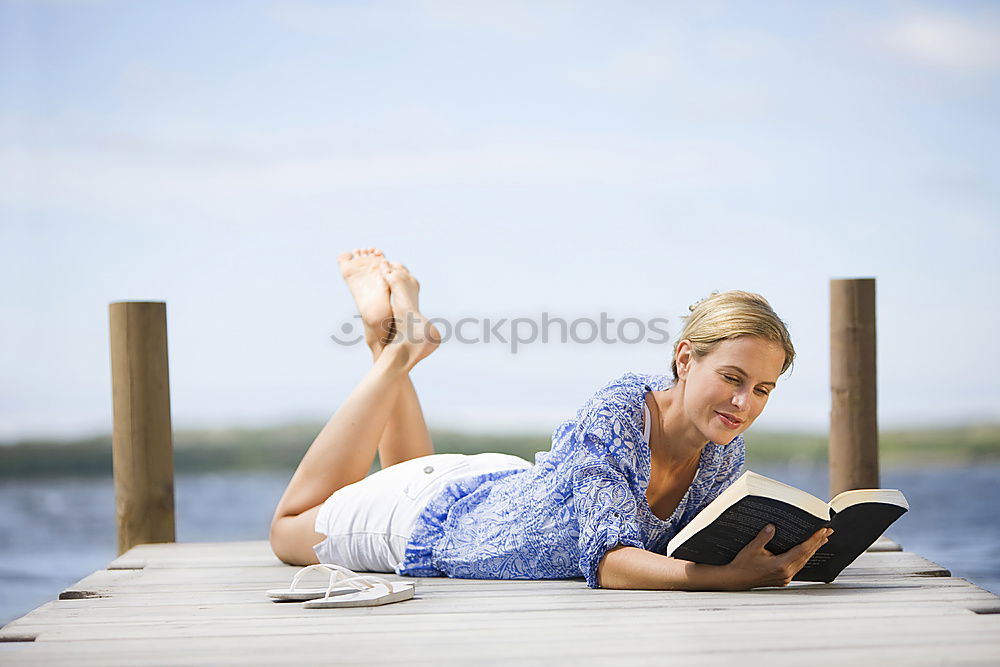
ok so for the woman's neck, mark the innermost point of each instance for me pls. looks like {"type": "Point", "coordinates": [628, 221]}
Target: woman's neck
{"type": "Point", "coordinates": [675, 443]}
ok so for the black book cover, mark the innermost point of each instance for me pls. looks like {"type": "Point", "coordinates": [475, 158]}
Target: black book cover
{"type": "Point", "coordinates": [855, 529]}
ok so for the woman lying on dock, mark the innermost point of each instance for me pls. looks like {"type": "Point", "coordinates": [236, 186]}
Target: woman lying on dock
{"type": "Point", "coordinates": [638, 461]}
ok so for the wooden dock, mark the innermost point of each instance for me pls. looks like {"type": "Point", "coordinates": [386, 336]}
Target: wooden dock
{"type": "Point", "coordinates": [204, 603]}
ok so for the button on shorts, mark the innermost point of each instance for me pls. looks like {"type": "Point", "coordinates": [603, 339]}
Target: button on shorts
{"type": "Point", "coordinates": [368, 524]}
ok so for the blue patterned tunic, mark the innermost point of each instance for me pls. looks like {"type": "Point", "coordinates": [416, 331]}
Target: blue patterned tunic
{"type": "Point", "coordinates": [558, 518]}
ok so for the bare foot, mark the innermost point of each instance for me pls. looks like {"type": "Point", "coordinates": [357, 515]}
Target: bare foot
{"type": "Point", "coordinates": [412, 328]}
{"type": "Point", "coordinates": [362, 270]}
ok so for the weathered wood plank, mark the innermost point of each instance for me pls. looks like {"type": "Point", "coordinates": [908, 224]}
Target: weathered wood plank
{"type": "Point", "coordinates": [916, 645]}
{"type": "Point", "coordinates": [873, 563]}
{"type": "Point", "coordinates": [191, 555]}
{"type": "Point", "coordinates": [811, 620]}
{"type": "Point", "coordinates": [258, 612]}
{"type": "Point", "coordinates": [191, 604]}
{"type": "Point", "coordinates": [250, 604]}
{"type": "Point", "coordinates": [256, 552]}
{"type": "Point", "coordinates": [851, 591]}
{"type": "Point", "coordinates": [885, 544]}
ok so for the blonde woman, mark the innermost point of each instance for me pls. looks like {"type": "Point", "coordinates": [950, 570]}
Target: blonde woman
{"type": "Point", "coordinates": [636, 463]}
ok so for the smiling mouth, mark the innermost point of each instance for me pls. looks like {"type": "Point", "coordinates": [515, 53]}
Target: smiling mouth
{"type": "Point", "coordinates": [731, 422]}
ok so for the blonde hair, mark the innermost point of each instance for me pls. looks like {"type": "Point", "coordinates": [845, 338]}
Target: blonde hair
{"type": "Point", "coordinates": [720, 317]}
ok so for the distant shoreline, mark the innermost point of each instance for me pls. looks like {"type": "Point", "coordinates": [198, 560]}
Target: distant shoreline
{"type": "Point", "coordinates": [281, 448]}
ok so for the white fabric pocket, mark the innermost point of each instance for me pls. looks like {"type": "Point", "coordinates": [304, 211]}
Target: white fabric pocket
{"type": "Point", "coordinates": [436, 471]}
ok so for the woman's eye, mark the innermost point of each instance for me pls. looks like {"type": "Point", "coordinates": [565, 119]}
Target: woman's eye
{"type": "Point", "coordinates": [731, 378]}
{"type": "Point", "coordinates": [762, 392]}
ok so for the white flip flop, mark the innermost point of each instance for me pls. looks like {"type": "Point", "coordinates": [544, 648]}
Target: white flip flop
{"type": "Point", "coordinates": [372, 591]}
{"type": "Point", "coordinates": [338, 575]}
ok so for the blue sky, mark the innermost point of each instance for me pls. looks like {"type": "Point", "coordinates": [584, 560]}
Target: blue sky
{"type": "Point", "coordinates": [520, 158]}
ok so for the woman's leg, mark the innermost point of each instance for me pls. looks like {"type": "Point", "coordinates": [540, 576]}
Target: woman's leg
{"type": "Point", "coordinates": [406, 436]}
{"type": "Point", "coordinates": [345, 448]}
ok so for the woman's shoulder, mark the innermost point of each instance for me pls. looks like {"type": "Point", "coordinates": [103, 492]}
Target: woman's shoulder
{"type": "Point", "coordinates": [626, 393]}
{"type": "Point", "coordinates": [615, 409]}
{"type": "Point", "coordinates": [631, 384]}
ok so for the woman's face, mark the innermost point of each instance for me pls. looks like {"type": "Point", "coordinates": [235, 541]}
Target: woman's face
{"type": "Point", "coordinates": [727, 389]}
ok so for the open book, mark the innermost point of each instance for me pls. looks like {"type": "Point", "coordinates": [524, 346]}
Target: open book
{"type": "Point", "coordinates": [738, 514]}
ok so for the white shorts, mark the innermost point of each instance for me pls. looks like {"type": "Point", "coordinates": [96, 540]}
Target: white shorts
{"type": "Point", "coordinates": [368, 524]}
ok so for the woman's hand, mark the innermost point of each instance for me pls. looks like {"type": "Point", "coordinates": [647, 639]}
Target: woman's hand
{"type": "Point", "coordinates": [755, 566]}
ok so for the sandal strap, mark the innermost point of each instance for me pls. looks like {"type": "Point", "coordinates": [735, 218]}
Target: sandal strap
{"type": "Point", "coordinates": [362, 582]}
{"type": "Point", "coordinates": [337, 573]}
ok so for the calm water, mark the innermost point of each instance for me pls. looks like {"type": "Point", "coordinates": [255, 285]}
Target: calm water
{"type": "Point", "coordinates": [55, 532]}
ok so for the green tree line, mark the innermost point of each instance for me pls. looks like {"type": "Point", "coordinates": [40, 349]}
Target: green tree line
{"type": "Point", "coordinates": [280, 448]}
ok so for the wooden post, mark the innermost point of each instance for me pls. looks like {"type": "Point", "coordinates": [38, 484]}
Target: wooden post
{"type": "Point", "coordinates": [142, 441]}
{"type": "Point", "coordinates": [853, 413]}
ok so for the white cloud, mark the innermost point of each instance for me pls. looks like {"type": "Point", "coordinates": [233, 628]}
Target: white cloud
{"type": "Point", "coordinates": [946, 40]}
{"type": "Point", "coordinates": [523, 19]}
{"type": "Point", "coordinates": [630, 70]}
{"type": "Point", "coordinates": [203, 183]}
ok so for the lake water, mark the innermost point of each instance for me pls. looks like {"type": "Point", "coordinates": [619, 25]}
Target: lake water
{"type": "Point", "coordinates": [55, 532]}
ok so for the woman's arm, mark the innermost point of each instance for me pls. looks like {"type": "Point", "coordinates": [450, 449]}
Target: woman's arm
{"type": "Point", "coordinates": [631, 567]}
{"type": "Point", "coordinates": [634, 568]}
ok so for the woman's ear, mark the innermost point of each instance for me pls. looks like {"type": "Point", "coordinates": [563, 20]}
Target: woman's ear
{"type": "Point", "coordinates": [683, 359]}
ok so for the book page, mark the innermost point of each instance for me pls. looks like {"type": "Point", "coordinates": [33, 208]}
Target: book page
{"type": "Point", "coordinates": [719, 542]}
{"type": "Point", "coordinates": [792, 524]}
